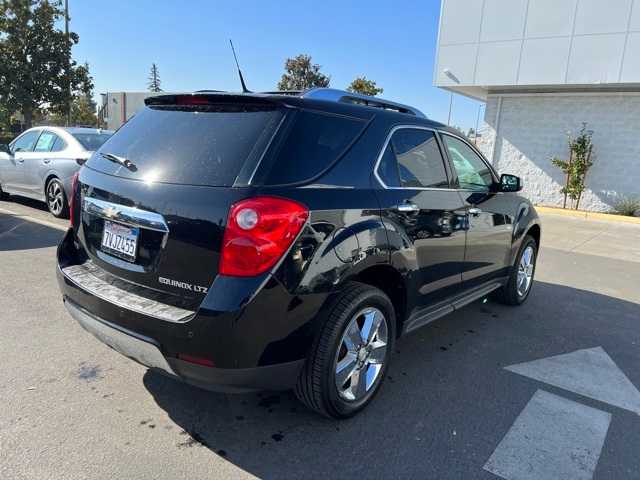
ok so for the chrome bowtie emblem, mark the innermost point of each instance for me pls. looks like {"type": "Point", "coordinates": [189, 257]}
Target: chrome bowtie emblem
{"type": "Point", "coordinates": [110, 212]}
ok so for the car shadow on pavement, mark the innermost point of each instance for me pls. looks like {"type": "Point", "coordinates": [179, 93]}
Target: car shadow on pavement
{"type": "Point", "coordinates": [446, 403]}
{"type": "Point", "coordinates": [19, 234]}
{"type": "Point", "coordinates": [28, 202]}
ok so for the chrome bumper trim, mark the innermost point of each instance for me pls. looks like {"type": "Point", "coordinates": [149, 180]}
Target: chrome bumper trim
{"type": "Point", "coordinates": [85, 276]}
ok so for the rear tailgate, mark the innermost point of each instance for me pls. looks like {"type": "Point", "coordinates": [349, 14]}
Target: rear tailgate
{"type": "Point", "coordinates": [157, 220]}
{"type": "Point", "coordinates": [183, 257]}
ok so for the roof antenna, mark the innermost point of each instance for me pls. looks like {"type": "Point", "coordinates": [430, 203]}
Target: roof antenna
{"type": "Point", "coordinates": [244, 86]}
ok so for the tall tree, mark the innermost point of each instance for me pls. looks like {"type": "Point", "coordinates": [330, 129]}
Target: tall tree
{"type": "Point", "coordinates": [365, 87]}
{"type": "Point", "coordinates": [83, 107]}
{"type": "Point", "coordinates": [34, 56]}
{"type": "Point", "coordinates": [154, 79]}
{"type": "Point", "coordinates": [301, 74]}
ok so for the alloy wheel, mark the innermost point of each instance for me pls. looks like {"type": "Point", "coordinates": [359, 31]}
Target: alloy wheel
{"type": "Point", "coordinates": [525, 271]}
{"type": "Point", "coordinates": [55, 197]}
{"type": "Point", "coordinates": [361, 354]}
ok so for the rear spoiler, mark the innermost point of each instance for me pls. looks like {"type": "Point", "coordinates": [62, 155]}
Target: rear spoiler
{"type": "Point", "coordinates": [210, 98]}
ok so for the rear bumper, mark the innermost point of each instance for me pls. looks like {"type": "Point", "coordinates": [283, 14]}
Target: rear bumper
{"type": "Point", "coordinates": [248, 349]}
{"type": "Point", "coordinates": [147, 352]}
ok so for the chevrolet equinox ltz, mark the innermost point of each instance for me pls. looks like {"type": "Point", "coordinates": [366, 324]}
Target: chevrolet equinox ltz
{"type": "Point", "coordinates": [242, 242]}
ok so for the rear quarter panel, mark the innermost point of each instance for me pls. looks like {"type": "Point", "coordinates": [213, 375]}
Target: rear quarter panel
{"type": "Point", "coordinates": [61, 167]}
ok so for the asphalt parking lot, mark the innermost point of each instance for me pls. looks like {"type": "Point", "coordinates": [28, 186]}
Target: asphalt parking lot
{"type": "Point", "coordinates": [450, 409]}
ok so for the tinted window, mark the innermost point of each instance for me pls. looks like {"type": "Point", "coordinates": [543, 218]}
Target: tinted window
{"type": "Point", "coordinates": [45, 142]}
{"type": "Point", "coordinates": [26, 142]}
{"type": "Point", "coordinates": [473, 172]}
{"type": "Point", "coordinates": [313, 143]}
{"type": "Point", "coordinates": [388, 168]}
{"type": "Point", "coordinates": [420, 162]}
{"type": "Point", "coordinates": [197, 145]}
{"type": "Point", "coordinates": [59, 145]}
{"type": "Point", "coordinates": [91, 141]}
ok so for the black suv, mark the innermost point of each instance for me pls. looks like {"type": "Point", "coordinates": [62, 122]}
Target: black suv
{"type": "Point", "coordinates": [270, 241]}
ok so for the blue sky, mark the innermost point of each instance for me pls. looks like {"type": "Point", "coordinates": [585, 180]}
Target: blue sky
{"type": "Point", "coordinates": [391, 42]}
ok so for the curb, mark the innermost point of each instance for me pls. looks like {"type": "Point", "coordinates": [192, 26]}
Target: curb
{"type": "Point", "coordinates": [588, 215]}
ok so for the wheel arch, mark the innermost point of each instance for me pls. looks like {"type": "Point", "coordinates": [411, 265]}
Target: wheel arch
{"type": "Point", "coordinates": [48, 177]}
{"type": "Point", "coordinates": [390, 281]}
{"type": "Point", "coordinates": [535, 232]}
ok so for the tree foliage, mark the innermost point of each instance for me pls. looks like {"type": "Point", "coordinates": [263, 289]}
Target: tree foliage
{"type": "Point", "coordinates": [301, 74]}
{"type": "Point", "coordinates": [154, 79]}
{"type": "Point", "coordinates": [83, 107]}
{"type": "Point", "coordinates": [579, 163]}
{"type": "Point", "coordinates": [35, 58]}
{"type": "Point", "coordinates": [365, 86]}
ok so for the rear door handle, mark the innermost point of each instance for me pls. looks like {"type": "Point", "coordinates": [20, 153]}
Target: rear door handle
{"type": "Point", "coordinates": [407, 207]}
{"type": "Point", "coordinates": [47, 160]}
{"type": "Point", "coordinates": [474, 211]}
{"type": "Point", "coordinates": [20, 160]}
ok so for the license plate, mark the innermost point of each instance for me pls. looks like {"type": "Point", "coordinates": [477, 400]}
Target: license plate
{"type": "Point", "coordinates": [120, 240]}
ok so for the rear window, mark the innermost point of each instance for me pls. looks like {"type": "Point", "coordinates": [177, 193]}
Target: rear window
{"type": "Point", "coordinates": [91, 141]}
{"type": "Point", "coordinates": [196, 145]}
{"type": "Point", "coordinates": [312, 144]}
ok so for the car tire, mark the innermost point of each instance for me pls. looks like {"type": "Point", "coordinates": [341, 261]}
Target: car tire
{"type": "Point", "coordinates": [56, 199]}
{"type": "Point", "coordinates": [3, 194]}
{"type": "Point", "coordinates": [518, 286]}
{"type": "Point", "coordinates": [325, 384]}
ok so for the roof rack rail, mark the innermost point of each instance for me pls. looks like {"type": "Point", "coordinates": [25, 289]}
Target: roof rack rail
{"type": "Point", "coordinates": [283, 92]}
{"type": "Point", "coordinates": [342, 96]}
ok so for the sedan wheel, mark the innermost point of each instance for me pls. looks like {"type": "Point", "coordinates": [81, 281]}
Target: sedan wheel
{"type": "Point", "coordinates": [56, 199]}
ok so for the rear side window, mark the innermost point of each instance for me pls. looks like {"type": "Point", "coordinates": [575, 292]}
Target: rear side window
{"type": "Point", "coordinates": [196, 145]}
{"type": "Point", "coordinates": [313, 143]}
{"type": "Point", "coordinates": [413, 159]}
{"type": "Point", "coordinates": [59, 145]}
{"type": "Point", "coordinates": [91, 141]}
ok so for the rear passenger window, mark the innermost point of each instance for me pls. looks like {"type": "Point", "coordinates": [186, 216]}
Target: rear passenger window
{"type": "Point", "coordinates": [388, 168]}
{"type": "Point", "coordinates": [417, 158]}
{"type": "Point", "coordinates": [314, 142]}
{"type": "Point", "coordinates": [45, 142]}
{"type": "Point", "coordinates": [59, 145]}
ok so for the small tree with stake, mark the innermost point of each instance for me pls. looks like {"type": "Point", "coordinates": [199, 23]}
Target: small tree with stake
{"type": "Point", "coordinates": [576, 168]}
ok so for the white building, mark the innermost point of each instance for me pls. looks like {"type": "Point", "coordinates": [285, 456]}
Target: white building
{"type": "Point", "coordinates": [544, 67]}
{"type": "Point", "coordinates": [118, 107]}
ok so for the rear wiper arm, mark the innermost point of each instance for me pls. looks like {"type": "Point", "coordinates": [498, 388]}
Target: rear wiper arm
{"type": "Point", "coordinates": [125, 162]}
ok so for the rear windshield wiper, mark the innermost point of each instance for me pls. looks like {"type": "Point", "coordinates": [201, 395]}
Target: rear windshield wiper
{"type": "Point", "coordinates": [125, 162]}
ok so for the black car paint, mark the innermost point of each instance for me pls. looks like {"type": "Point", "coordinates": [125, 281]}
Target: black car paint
{"type": "Point", "coordinates": [353, 232]}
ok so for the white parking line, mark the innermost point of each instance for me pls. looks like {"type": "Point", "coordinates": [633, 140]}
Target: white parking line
{"type": "Point", "coordinates": [590, 372]}
{"type": "Point", "coordinates": [34, 220]}
{"type": "Point", "coordinates": [552, 438]}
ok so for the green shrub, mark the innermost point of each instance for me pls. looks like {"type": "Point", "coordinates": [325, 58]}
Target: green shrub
{"type": "Point", "coordinates": [627, 206]}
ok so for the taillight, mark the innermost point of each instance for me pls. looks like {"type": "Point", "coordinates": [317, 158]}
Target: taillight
{"type": "Point", "coordinates": [259, 231]}
{"type": "Point", "coordinates": [74, 188]}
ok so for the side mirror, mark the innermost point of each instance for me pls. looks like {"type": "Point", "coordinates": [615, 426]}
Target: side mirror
{"type": "Point", "coordinates": [4, 148]}
{"type": "Point", "coordinates": [509, 183]}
